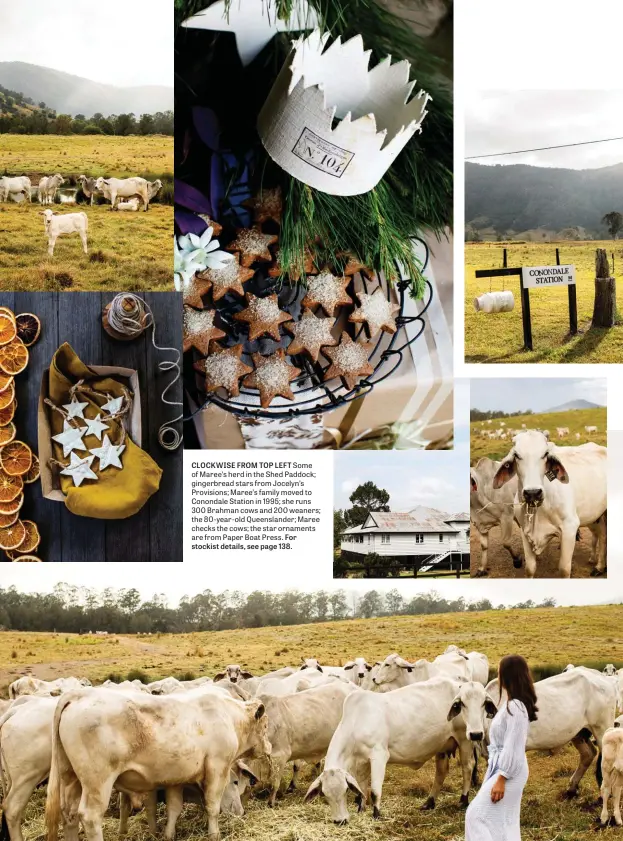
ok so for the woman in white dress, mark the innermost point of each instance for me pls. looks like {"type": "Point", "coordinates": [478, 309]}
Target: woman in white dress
{"type": "Point", "coordinates": [494, 813]}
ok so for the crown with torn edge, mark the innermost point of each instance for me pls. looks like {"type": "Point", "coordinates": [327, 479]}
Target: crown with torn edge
{"type": "Point", "coordinates": [334, 124]}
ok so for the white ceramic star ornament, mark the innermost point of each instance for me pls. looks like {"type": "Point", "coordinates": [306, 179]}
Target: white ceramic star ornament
{"type": "Point", "coordinates": [70, 438]}
{"type": "Point", "coordinates": [95, 426]}
{"type": "Point", "coordinates": [79, 469]}
{"type": "Point", "coordinates": [113, 406]}
{"type": "Point", "coordinates": [108, 454]}
{"type": "Point", "coordinates": [254, 23]}
{"type": "Point", "coordinates": [75, 409]}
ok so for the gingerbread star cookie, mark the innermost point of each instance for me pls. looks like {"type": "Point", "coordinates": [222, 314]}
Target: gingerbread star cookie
{"type": "Point", "coordinates": [223, 368]}
{"type": "Point", "coordinates": [272, 376]}
{"type": "Point", "coordinates": [228, 278]}
{"type": "Point", "coordinates": [278, 268]}
{"type": "Point", "coordinates": [199, 329]}
{"type": "Point", "coordinates": [328, 290]}
{"type": "Point", "coordinates": [268, 204]}
{"type": "Point", "coordinates": [354, 265]}
{"type": "Point", "coordinates": [252, 245]}
{"type": "Point", "coordinates": [376, 311]}
{"type": "Point", "coordinates": [216, 228]}
{"type": "Point", "coordinates": [194, 291]}
{"type": "Point", "coordinates": [263, 316]}
{"type": "Point", "coordinates": [349, 360]}
{"type": "Point", "coordinates": [310, 334]}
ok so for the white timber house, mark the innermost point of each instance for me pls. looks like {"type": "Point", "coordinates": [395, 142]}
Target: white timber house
{"type": "Point", "coordinates": [422, 537]}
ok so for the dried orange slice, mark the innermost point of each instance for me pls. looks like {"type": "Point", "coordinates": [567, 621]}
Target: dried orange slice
{"type": "Point", "coordinates": [6, 380]}
{"type": "Point", "coordinates": [28, 327]}
{"type": "Point", "coordinates": [6, 415]}
{"type": "Point", "coordinates": [13, 356]}
{"type": "Point", "coordinates": [8, 519]}
{"type": "Point", "coordinates": [7, 397]}
{"type": "Point", "coordinates": [7, 311]}
{"type": "Point", "coordinates": [32, 539]}
{"type": "Point", "coordinates": [8, 329]}
{"type": "Point", "coordinates": [10, 487]}
{"type": "Point", "coordinates": [26, 558]}
{"type": "Point", "coordinates": [16, 458]}
{"type": "Point", "coordinates": [12, 536]}
{"type": "Point", "coordinates": [33, 474]}
{"type": "Point", "coordinates": [7, 434]}
{"type": "Point", "coordinates": [12, 507]}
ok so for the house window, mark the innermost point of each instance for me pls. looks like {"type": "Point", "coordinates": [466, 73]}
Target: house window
{"type": "Point", "coordinates": [419, 538]}
{"type": "Point", "coordinates": [441, 538]}
{"type": "Point", "coordinates": [384, 538]}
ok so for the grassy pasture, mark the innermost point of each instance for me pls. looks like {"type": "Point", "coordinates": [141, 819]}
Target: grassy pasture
{"type": "Point", "coordinates": [127, 251]}
{"type": "Point", "coordinates": [499, 337]}
{"type": "Point", "coordinates": [575, 420]}
{"type": "Point", "coordinates": [550, 638]}
{"type": "Point", "coordinates": [92, 155]}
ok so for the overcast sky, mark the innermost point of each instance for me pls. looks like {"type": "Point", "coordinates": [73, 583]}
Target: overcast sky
{"type": "Point", "coordinates": [511, 395]}
{"type": "Point", "coordinates": [505, 121]}
{"type": "Point", "coordinates": [115, 42]}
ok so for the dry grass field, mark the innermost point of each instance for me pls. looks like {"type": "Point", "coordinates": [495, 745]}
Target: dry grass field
{"type": "Point", "coordinates": [550, 638]}
{"type": "Point", "coordinates": [499, 338]}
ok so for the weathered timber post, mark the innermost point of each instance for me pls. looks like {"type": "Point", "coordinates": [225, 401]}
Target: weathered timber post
{"type": "Point", "coordinates": [604, 310]}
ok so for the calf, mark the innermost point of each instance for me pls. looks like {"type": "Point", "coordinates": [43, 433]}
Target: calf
{"type": "Point", "coordinates": [405, 727]}
{"type": "Point", "coordinates": [559, 489]}
{"type": "Point", "coordinates": [490, 507]}
{"type": "Point", "coordinates": [612, 769]}
{"type": "Point", "coordinates": [57, 224]}
{"type": "Point", "coordinates": [131, 205]}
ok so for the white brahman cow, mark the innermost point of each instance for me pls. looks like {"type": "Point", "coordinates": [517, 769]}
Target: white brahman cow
{"type": "Point", "coordinates": [124, 188]}
{"type": "Point", "coordinates": [141, 743]}
{"type": "Point", "coordinates": [18, 185]}
{"type": "Point", "coordinates": [57, 224]}
{"type": "Point", "coordinates": [297, 682]}
{"type": "Point", "coordinates": [562, 431]}
{"type": "Point", "coordinates": [395, 672]}
{"type": "Point", "coordinates": [89, 187]}
{"type": "Point", "coordinates": [479, 663]}
{"type": "Point", "coordinates": [490, 507]}
{"type": "Point", "coordinates": [29, 685]}
{"type": "Point", "coordinates": [559, 489]}
{"type": "Point", "coordinates": [406, 727]}
{"type": "Point", "coordinates": [572, 706]}
{"type": "Point", "coordinates": [357, 670]}
{"type": "Point", "coordinates": [590, 429]}
{"type": "Point", "coordinates": [612, 769]}
{"type": "Point", "coordinates": [48, 187]}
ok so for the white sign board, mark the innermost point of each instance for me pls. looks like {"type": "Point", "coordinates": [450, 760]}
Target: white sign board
{"type": "Point", "coordinates": [544, 276]}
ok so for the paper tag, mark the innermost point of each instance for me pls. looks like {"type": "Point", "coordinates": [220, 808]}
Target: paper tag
{"type": "Point", "coordinates": [322, 155]}
{"type": "Point", "coordinates": [551, 475]}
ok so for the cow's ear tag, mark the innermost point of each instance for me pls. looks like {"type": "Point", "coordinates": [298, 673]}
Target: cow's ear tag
{"type": "Point", "coordinates": [551, 475]}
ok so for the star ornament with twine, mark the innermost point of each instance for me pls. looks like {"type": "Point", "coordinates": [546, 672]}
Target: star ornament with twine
{"type": "Point", "coordinates": [376, 117]}
{"type": "Point", "coordinates": [108, 454]}
{"type": "Point", "coordinates": [80, 469]}
{"type": "Point", "coordinates": [252, 24]}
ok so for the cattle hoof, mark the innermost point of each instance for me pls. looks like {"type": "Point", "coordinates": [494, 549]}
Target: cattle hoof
{"type": "Point", "coordinates": [464, 801]}
{"type": "Point", "coordinates": [570, 794]}
{"type": "Point", "coordinates": [376, 813]}
{"type": "Point", "coordinates": [359, 803]}
{"type": "Point", "coordinates": [597, 573]}
{"type": "Point", "coordinates": [429, 804]}
{"type": "Point", "coordinates": [481, 573]}
{"type": "Point", "coordinates": [291, 787]}
{"type": "Point", "coordinates": [517, 562]}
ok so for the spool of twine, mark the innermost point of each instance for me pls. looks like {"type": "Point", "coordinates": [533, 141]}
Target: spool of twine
{"type": "Point", "coordinates": [126, 318]}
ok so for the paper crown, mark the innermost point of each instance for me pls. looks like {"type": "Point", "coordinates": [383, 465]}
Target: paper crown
{"type": "Point", "coordinates": [375, 120]}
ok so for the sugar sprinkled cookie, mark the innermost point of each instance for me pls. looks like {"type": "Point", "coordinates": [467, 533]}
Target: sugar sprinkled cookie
{"type": "Point", "coordinates": [278, 269]}
{"type": "Point", "coordinates": [199, 329]}
{"type": "Point", "coordinates": [272, 376]}
{"type": "Point", "coordinates": [223, 368]}
{"type": "Point", "coordinates": [227, 278]}
{"type": "Point", "coordinates": [252, 245]}
{"type": "Point", "coordinates": [263, 316]}
{"type": "Point", "coordinates": [310, 334]}
{"type": "Point", "coordinates": [355, 265]}
{"type": "Point", "coordinates": [376, 311]}
{"type": "Point", "coordinates": [216, 228]}
{"type": "Point", "coordinates": [267, 204]}
{"type": "Point", "coordinates": [349, 360]}
{"type": "Point", "coordinates": [194, 291]}
{"type": "Point", "coordinates": [327, 290]}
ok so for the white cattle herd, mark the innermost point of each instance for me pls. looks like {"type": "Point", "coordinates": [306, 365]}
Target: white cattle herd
{"type": "Point", "coordinates": [125, 194]}
{"type": "Point", "coordinates": [206, 740]}
{"type": "Point", "coordinates": [549, 491]}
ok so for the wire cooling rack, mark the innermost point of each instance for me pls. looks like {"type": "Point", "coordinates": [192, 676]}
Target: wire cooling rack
{"type": "Point", "coordinates": [312, 394]}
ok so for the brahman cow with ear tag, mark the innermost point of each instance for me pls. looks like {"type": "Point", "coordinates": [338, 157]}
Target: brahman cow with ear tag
{"type": "Point", "coordinates": [559, 489]}
{"type": "Point", "coordinates": [406, 727]}
{"type": "Point", "coordinates": [232, 673]}
{"type": "Point", "coordinates": [357, 670]}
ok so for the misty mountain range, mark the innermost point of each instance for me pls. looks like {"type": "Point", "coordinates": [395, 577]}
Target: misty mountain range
{"type": "Point", "coordinates": [521, 198]}
{"type": "Point", "coordinates": [68, 94]}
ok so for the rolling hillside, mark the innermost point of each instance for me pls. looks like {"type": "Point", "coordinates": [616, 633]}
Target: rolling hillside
{"type": "Point", "coordinates": [68, 94]}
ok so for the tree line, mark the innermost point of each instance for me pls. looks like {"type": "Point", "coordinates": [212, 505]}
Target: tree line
{"type": "Point", "coordinates": [49, 122]}
{"type": "Point", "coordinates": [491, 414]}
{"type": "Point", "coordinates": [71, 609]}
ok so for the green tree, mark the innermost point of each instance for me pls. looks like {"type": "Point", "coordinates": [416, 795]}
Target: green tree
{"type": "Point", "coordinates": [366, 498]}
{"type": "Point", "coordinates": [62, 124]}
{"type": "Point", "coordinates": [339, 525]}
{"type": "Point", "coordinates": [146, 124]}
{"type": "Point", "coordinates": [394, 602]}
{"type": "Point", "coordinates": [371, 604]}
{"type": "Point", "coordinates": [614, 222]}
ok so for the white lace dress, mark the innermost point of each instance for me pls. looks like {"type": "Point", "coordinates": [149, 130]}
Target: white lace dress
{"type": "Point", "coordinates": [488, 821]}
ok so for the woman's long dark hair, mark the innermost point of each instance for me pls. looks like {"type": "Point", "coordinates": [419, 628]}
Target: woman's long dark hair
{"type": "Point", "coordinates": [515, 677]}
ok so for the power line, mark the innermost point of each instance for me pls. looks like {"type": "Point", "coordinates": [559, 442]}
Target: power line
{"type": "Point", "coordinates": [543, 148]}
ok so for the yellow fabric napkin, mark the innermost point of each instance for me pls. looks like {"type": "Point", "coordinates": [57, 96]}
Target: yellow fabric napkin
{"type": "Point", "coordinates": [118, 493]}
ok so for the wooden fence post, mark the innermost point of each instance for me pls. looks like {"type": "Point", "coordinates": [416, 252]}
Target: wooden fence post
{"type": "Point", "coordinates": [604, 310]}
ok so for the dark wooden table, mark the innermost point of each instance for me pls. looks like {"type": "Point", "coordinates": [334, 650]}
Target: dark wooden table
{"type": "Point", "coordinates": [155, 532]}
